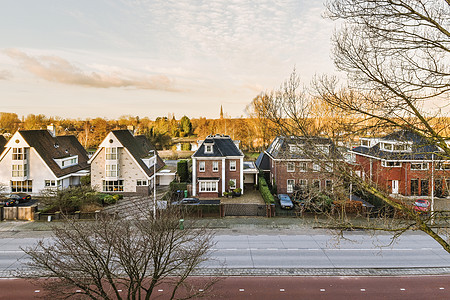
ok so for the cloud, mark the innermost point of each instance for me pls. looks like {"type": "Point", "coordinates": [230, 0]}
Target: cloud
{"type": "Point", "coordinates": [5, 75]}
{"type": "Point", "coordinates": [57, 69]}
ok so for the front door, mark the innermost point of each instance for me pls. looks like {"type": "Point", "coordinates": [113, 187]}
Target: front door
{"type": "Point", "coordinates": [394, 186]}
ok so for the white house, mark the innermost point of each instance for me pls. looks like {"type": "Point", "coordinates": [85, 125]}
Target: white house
{"type": "Point", "coordinates": [125, 164]}
{"type": "Point", "coordinates": [34, 160]}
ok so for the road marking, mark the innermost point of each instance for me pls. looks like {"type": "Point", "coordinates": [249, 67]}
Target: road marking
{"type": "Point", "coordinates": [231, 249]}
{"type": "Point", "coordinates": [426, 248]}
{"type": "Point", "coordinates": [402, 289]}
{"type": "Point", "coordinates": [313, 249]}
{"type": "Point", "coordinates": [363, 290]}
{"type": "Point", "coordinates": [281, 290]}
{"type": "Point", "coordinates": [322, 290]}
{"type": "Point", "coordinates": [272, 249]}
{"type": "Point", "coordinates": [292, 249]}
{"type": "Point", "coordinates": [241, 290]}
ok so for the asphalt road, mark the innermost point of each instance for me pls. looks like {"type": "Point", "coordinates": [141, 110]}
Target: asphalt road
{"type": "Point", "coordinates": [237, 252]}
{"type": "Point", "coordinates": [262, 288]}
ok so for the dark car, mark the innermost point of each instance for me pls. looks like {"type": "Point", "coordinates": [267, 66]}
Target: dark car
{"type": "Point", "coordinates": [285, 201]}
{"type": "Point", "coordinates": [19, 197]}
{"type": "Point", "coordinates": [187, 201]}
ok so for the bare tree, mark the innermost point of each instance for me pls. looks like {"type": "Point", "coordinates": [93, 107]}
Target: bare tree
{"type": "Point", "coordinates": [104, 257]}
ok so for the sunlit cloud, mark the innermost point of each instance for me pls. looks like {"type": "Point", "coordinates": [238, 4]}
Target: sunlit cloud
{"type": "Point", "coordinates": [57, 69]}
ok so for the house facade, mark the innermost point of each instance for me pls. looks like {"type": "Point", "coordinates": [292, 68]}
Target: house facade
{"type": "Point", "coordinates": [293, 163]}
{"type": "Point", "coordinates": [125, 164]}
{"type": "Point", "coordinates": [403, 163]}
{"type": "Point", "coordinates": [35, 160]}
{"type": "Point", "coordinates": [217, 166]}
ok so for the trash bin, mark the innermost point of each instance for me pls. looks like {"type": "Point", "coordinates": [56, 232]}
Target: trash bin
{"type": "Point", "coordinates": [185, 194]}
{"type": "Point", "coordinates": [181, 224]}
{"type": "Point", "coordinates": [49, 218]}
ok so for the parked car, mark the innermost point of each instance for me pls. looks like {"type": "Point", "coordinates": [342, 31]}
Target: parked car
{"type": "Point", "coordinates": [285, 201]}
{"type": "Point", "coordinates": [422, 206]}
{"type": "Point", "coordinates": [19, 197]}
{"type": "Point", "coordinates": [7, 201]}
{"type": "Point", "coordinates": [187, 201]}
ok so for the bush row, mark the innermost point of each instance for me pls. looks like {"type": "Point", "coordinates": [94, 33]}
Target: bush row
{"type": "Point", "coordinates": [265, 192]}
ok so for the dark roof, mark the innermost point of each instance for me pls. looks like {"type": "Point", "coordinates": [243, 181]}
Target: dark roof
{"type": "Point", "coordinates": [139, 147]}
{"type": "Point", "coordinates": [223, 146]}
{"type": "Point", "coordinates": [421, 148]}
{"type": "Point", "coordinates": [50, 148]}
{"type": "Point", "coordinates": [280, 148]}
{"type": "Point", "coordinates": [263, 162]}
{"type": "Point", "coordinates": [3, 142]}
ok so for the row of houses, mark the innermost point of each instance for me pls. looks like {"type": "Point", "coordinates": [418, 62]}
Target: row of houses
{"type": "Point", "coordinates": [400, 163]}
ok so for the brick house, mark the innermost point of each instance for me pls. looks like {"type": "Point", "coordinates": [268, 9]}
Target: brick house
{"type": "Point", "coordinates": [125, 164]}
{"type": "Point", "coordinates": [35, 160]}
{"type": "Point", "coordinates": [403, 163]}
{"type": "Point", "coordinates": [217, 163]}
{"type": "Point", "coordinates": [293, 163]}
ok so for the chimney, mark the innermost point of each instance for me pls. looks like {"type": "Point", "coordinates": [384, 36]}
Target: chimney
{"type": "Point", "coordinates": [52, 129]}
{"type": "Point", "coordinates": [131, 129]}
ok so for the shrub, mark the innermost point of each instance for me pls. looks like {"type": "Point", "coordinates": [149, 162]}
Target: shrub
{"type": "Point", "coordinates": [265, 192]}
{"type": "Point", "coordinates": [175, 186]}
{"type": "Point", "coordinates": [109, 199]}
{"type": "Point", "coordinates": [183, 170]}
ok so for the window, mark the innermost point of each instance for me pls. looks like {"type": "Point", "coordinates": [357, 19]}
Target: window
{"type": "Point", "coordinates": [391, 164]}
{"type": "Point", "coordinates": [69, 162]}
{"type": "Point", "coordinates": [113, 185]}
{"type": "Point", "coordinates": [328, 167]}
{"type": "Point", "coordinates": [419, 166]}
{"type": "Point", "coordinates": [19, 170]}
{"type": "Point", "coordinates": [141, 182]}
{"type": "Point", "coordinates": [201, 166]}
{"type": "Point", "coordinates": [208, 186]}
{"type": "Point", "coordinates": [232, 184]}
{"type": "Point", "coordinates": [111, 153]}
{"type": "Point", "coordinates": [328, 185]}
{"type": "Point", "coordinates": [358, 173]}
{"type": "Point", "coordinates": [386, 146]}
{"type": "Point", "coordinates": [316, 167]}
{"type": "Point", "coordinates": [233, 165]}
{"type": "Point", "coordinates": [21, 186]}
{"type": "Point", "coordinates": [215, 166]}
{"type": "Point", "coordinates": [414, 187]}
{"type": "Point", "coordinates": [111, 171]}
{"type": "Point", "coordinates": [290, 167]}
{"type": "Point", "coordinates": [303, 167]}
{"type": "Point", "coordinates": [303, 182]}
{"type": "Point", "coordinates": [19, 154]}
{"type": "Point", "coordinates": [424, 187]}
{"type": "Point", "coordinates": [290, 185]}
{"type": "Point", "coordinates": [365, 143]}
{"type": "Point", "coordinates": [50, 183]}
{"type": "Point", "coordinates": [208, 148]}
{"type": "Point", "coordinates": [322, 150]}
{"type": "Point", "coordinates": [443, 166]}
{"type": "Point", "coordinates": [316, 184]}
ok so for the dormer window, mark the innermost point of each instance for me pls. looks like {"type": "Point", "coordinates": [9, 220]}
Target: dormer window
{"type": "Point", "coordinates": [395, 146]}
{"type": "Point", "coordinates": [208, 148]}
{"type": "Point", "coordinates": [365, 143]}
{"type": "Point", "coordinates": [67, 161]}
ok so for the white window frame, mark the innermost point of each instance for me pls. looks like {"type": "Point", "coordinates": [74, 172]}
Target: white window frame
{"type": "Point", "coordinates": [423, 166]}
{"type": "Point", "coordinates": [19, 154]}
{"type": "Point", "coordinates": [209, 148]}
{"type": "Point", "coordinates": [141, 182]}
{"type": "Point", "coordinates": [21, 186]}
{"type": "Point", "coordinates": [111, 170]}
{"type": "Point", "coordinates": [316, 167]}
{"type": "Point", "coordinates": [208, 186]}
{"type": "Point", "coordinates": [290, 167]}
{"type": "Point", "coordinates": [215, 166]}
{"type": "Point", "coordinates": [112, 185]}
{"type": "Point", "coordinates": [232, 165]}
{"type": "Point", "coordinates": [303, 167]}
{"type": "Point", "coordinates": [201, 166]}
{"type": "Point", "coordinates": [303, 182]}
{"type": "Point", "coordinates": [19, 170]}
{"type": "Point", "coordinates": [387, 164]}
{"type": "Point", "coordinates": [232, 187]}
{"type": "Point", "coordinates": [290, 184]}
{"type": "Point", "coordinates": [111, 153]}
{"type": "Point", "coordinates": [50, 183]}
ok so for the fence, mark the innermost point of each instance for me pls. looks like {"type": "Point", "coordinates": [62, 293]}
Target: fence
{"type": "Point", "coordinates": [25, 213]}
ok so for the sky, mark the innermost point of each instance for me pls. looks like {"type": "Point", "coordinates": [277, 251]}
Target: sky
{"type": "Point", "coordinates": [148, 58]}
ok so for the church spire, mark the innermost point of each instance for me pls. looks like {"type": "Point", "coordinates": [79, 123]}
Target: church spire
{"type": "Point", "coordinates": [221, 112]}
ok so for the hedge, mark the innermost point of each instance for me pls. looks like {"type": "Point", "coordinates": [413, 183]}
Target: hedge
{"type": "Point", "coordinates": [265, 192]}
{"type": "Point", "coordinates": [177, 186]}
